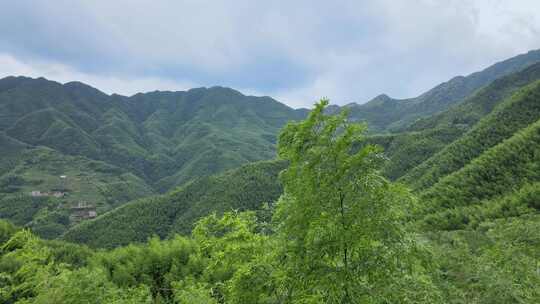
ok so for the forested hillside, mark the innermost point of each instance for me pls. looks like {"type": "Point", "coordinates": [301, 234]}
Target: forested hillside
{"type": "Point", "coordinates": [60, 181]}
{"type": "Point", "coordinates": [165, 138]}
{"type": "Point", "coordinates": [384, 114]}
{"type": "Point", "coordinates": [515, 113]}
{"type": "Point", "coordinates": [242, 258]}
{"type": "Point", "coordinates": [471, 236]}
{"type": "Point", "coordinates": [114, 149]}
{"type": "Point", "coordinates": [433, 147]}
{"type": "Point", "coordinates": [101, 151]}
{"type": "Point", "coordinates": [408, 149]}
{"type": "Point", "coordinates": [506, 106]}
{"type": "Point", "coordinates": [245, 188]}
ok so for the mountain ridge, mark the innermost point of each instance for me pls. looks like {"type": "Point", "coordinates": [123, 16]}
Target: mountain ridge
{"type": "Point", "coordinates": [384, 113]}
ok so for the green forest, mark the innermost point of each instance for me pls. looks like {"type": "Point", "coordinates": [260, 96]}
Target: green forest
{"type": "Point", "coordinates": [211, 196]}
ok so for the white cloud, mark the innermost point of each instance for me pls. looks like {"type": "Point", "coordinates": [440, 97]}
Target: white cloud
{"type": "Point", "coordinates": [106, 83]}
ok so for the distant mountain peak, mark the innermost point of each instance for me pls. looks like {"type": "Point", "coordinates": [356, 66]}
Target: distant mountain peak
{"type": "Point", "coordinates": [76, 84]}
{"type": "Point", "coordinates": [384, 113]}
{"type": "Point", "coordinates": [379, 100]}
{"type": "Point", "coordinates": [80, 85]}
{"type": "Point", "coordinates": [9, 82]}
{"type": "Point", "coordinates": [11, 78]}
{"type": "Point", "coordinates": [382, 97]}
{"type": "Point", "coordinates": [221, 89]}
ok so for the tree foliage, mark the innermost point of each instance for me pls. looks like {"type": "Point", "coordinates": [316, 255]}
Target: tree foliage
{"type": "Point", "coordinates": [339, 220]}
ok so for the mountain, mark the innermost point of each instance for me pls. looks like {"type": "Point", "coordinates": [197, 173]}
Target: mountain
{"type": "Point", "coordinates": [515, 113]}
{"type": "Point", "coordinates": [474, 107]}
{"type": "Point", "coordinates": [429, 135]}
{"type": "Point", "coordinates": [245, 188]}
{"type": "Point", "coordinates": [498, 170]}
{"type": "Point", "coordinates": [31, 176]}
{"type": "Point", "coordinates": [506, 107]}
{"type": "Point", "coordinates": [384, 114]}
{"type": "Point", "coordinates": [114, 149]}
{"type": "Point", "coordinates": [166, 138]}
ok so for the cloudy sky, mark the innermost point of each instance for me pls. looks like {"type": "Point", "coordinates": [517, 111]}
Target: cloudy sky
{"type": "Point", "coordinates": [295, 51]}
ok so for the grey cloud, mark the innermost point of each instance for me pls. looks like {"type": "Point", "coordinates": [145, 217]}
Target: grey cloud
{"type": "Point", "coordinates": [299, 50]}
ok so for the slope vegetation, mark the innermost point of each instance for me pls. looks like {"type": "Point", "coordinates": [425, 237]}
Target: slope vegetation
{"type": "Point", "coordinates": [114, 149]}
{"type": "Point", "coordinates": [39, 169]}
{"type": "Point", "coordinates": [502, 168]}
{"type": "Point", "coordinates": [245, 188]}
{"type": "Point", "coordinates": [515, 113]}
{"type": "Point", "coordinates": [385, 114]}
{"type": "Point", "coordinates": [165, 138]}
{"type": "Point", "coordinates": [476, 106]}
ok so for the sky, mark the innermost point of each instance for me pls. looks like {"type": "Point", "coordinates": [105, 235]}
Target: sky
{"type": "Point", "coordinates": [295, 51]}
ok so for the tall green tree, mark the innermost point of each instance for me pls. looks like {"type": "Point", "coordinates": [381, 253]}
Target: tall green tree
{"type": "Point", "coordinates": [341, 221]}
